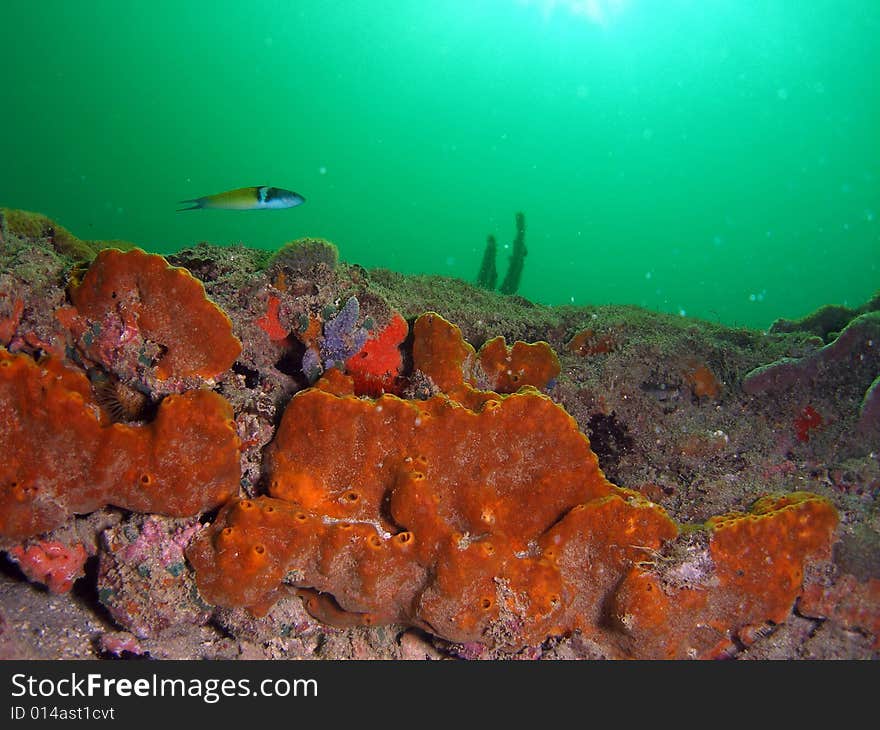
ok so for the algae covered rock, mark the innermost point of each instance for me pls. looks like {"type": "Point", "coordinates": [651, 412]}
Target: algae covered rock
{"type": "Point", "coordinates": [27, 225]}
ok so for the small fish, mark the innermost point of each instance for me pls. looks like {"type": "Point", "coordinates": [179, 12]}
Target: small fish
{"type": "Point", "coordinates": [260, 197]}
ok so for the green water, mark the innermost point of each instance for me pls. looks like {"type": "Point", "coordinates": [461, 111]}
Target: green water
{"type": "Point", "coordinates": [718, 158]}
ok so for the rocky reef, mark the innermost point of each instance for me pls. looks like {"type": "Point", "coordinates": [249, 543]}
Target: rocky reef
{"type": "Point", "coordinates": [229, 453]}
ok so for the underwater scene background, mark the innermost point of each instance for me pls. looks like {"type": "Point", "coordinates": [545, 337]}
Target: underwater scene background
{"type": "Point", "coordinates": [713, 158]}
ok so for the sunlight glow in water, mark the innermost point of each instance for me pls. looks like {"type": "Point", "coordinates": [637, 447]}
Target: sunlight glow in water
{"type": "Point", "coordinates": [598, 12]}
{"type": "Point", "coordinates": [716, 156]}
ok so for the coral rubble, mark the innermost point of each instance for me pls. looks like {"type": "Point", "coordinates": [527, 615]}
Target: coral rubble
{"type": "Point", "coordinates": [142, 577]}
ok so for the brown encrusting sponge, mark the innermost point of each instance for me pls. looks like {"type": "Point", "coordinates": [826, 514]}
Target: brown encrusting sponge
{"type": "Point", "coordinates": [62, 456]}
{"type": "Point", "coordinates": [491, 522]}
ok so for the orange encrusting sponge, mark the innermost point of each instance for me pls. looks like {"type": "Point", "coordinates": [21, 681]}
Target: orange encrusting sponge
{"type": "Point", "coordinates": [152, 301]}
{"type": "Point", "coordinates": [63, 457]}
{"type": "Point", "coordinates": [484, 517]}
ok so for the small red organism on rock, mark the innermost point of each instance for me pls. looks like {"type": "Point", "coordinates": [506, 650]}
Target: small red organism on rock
{"type": "Point", "coordinates": [117, 643]}
{"type": "Point", "coordinates": [702, 381]}
{"type": "Point", "coordinates": [588, 342]}
{"type": "Point", "coordinates": [51, 563]}
{"type": "Point", "coordinates": [9, 325]}
{"type": "Point", "coordinates": [376, 367]}
{"type": "Point", "coordinates": [270, 323]}
{"type": "Point", "coordinates": [809, 419]}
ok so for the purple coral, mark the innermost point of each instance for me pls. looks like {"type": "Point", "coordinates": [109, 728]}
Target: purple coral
{"type": "Point", "coordinates": [311, 364]}
{"type": "Point", "coordinates": [343, 338]}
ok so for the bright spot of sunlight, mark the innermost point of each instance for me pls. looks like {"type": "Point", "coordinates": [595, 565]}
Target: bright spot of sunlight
{"type": "Point", "coordinates": [598, 12]}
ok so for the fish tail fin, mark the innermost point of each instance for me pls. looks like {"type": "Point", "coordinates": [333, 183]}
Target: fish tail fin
{"type": "Point", "coordinates": [197, 203]}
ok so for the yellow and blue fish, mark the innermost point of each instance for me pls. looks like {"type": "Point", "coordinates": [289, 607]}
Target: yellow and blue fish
{"type": "Point", "coordinates": [259, 197]}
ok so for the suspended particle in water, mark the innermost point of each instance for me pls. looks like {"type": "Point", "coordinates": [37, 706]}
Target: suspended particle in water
{"type": "Point", "coordinates": [322, 170]}
{"type": "Point", "coordinates": [782, 94]}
